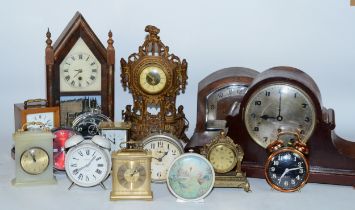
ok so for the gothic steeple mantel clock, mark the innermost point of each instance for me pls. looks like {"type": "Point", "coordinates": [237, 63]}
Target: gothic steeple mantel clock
{"type": "Point", "coordinates": [80, 71]}
{"type": "Point", "coordinates": [155, 78]}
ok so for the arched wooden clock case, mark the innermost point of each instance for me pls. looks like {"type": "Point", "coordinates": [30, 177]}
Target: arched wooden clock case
{"type": "Point", "coordinates": [79, 30]}
{"type": "Point", "coordinates": [154, 55]}
{"type": "Point", "coordinates": [332, 159]}
{"type": "Point", "coordinates": [221, 93]}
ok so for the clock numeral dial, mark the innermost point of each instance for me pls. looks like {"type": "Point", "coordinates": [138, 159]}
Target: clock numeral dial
{"type": "Point", "coordinates": [279, 107]}
{"type": "Point", "coordinates": [223, 158]}
{"type": "Point", "coordinates": [34, 161]}
{"type": "Point", "coordinates": [87, 165]}
{"type": "Point", "coordinates": [78, 72]}
{"type": "Point", "coordinates": [152, 79]}
{"type": "Point", "coordinates": [286, 170]}
{"type": "Point", "coordinates": [164, 152]}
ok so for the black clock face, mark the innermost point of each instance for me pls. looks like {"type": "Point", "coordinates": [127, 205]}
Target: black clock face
{"type": "Point", "coordinates": [87, 125]}
{"type": "Point", "coordinates": [287, 170]}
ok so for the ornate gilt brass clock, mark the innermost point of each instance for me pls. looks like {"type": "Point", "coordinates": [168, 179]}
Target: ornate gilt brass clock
{"type": "Point", "coordinates": [219, 95]}
{"type": "Point", "coordinates": [34, 156]}
{"type": "Point", "coordinates": [131, 173]}
{"type": "Point", "coordinates": [80, 71]}
{"type": "Point", "coordinates": [226, 158]}
{"type": "Point", "coordinates": [154, 77]}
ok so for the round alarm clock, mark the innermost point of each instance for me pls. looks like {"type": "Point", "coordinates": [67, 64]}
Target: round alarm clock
{"type": "Point", "coordinates": [190, 177]}
{"type": "Point", "coordinates": [88, 162]}
{"type": "Point", "coordinates": [165, 149]}
{"type": "Point", "coordinates": [287, 169]}
{"type": "Point", "coordinates": [87, 124]}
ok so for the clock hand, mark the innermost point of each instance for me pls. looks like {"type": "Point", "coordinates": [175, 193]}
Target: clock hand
{"type": "Point", "coordinates": [293, 169]}
{"type": "Point", "coordinates": [279, 117]}
{"type": "Point", "coordinates": [265, 117]}
{"type": "Point", "coordinates": [33, 156]}
{"type": "Point", "coordinates": [152, 78]}
{"type": "Point", "coordinates": [165, 153]}
{"type": "Point", "coordinates": [283, 174]}
{"type": "Point", "coordinates": [79, 71]}
{"type": "Point", "coordinates": [86, 165]}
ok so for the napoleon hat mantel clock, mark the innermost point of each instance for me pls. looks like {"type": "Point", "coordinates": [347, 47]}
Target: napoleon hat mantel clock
{"type": "Point", "coordinates": [287, 99]}
{"type": "Point", "coordinates": [155, 78]}
{"type": "Point", "coordinates": [219, 94]}
{"type": "Point", "coordinates": [80, 71]}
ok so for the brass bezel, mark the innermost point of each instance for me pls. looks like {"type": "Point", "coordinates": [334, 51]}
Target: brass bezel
{"type": "Point", "coordinates": [27, 150]}
{"type": "Point", "coordinates": [223, 140]}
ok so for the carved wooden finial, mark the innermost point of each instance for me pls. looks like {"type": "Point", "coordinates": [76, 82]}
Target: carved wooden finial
{"type": "Point", "coordinates": [48, 35]}
{"type": "Point", "coordinates": [110, 49]}
{"type": "Point", "coordinates": [49, 49]}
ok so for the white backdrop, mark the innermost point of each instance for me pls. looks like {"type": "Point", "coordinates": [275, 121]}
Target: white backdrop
{"type": "Point", "coordinates": [315, 36]}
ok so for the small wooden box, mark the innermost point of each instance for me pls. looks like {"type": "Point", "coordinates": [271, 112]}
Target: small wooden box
{"type": "Point", "coordinates": [25, 112]}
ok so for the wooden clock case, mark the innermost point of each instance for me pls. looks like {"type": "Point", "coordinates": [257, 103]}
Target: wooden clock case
{"type": "Point", "coordinates": [210, 84]}
{"type": "Point", "coordinates": [21, 110]}
{"type": "Point", "coordinates": [79, 28]}
{"type": "Point", "coordinates": [332, 159]}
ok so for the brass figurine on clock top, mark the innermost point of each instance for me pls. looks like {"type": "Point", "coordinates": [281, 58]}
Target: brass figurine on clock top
{"type": "Point", "coordinates": [154, 77]}
{"type": "Point", "coordinates": [226, 158]}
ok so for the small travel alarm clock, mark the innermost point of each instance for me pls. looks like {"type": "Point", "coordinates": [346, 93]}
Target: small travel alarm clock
{"type": "Point", "coordinates": [287, 168]}
{"type": "Point", "coordinates": [87, 162]}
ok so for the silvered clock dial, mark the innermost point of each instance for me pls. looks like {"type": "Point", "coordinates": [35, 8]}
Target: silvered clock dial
{"type": "Point", "coordinates": [279, 107]}
{"type": "Point", "coordinates": [216, 103]}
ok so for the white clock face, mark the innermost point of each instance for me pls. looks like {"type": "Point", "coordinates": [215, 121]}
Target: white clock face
{"type": "Point", "coordinates": [80, 70]}
{"type": "Point", "coordinates": [87, 165]}
{"type": "Point", "coordinates": [47, 118]}
{"type": "Point", "coordinates": [164, 152]}
{"type": "Point", "coordinates": [115, 137]}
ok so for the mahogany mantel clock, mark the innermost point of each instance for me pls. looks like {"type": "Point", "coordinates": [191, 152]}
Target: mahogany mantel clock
{"type": "Point", "coordinates": [219, 94]}
{"type": "Point", "coordinates": [154, 77]}
{"type": "Point", "coordinates": [287, 99]}
{"type": "Point", "coordinates": [80, 71]}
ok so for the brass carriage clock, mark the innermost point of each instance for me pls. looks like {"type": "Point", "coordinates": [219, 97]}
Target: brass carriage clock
{"type": "Point", "coordinates": [226, 158]}
{"type": "Point", "coordinates": [154, 77]}
{"type": "Point", "coordinates": [80, 71]}
{"type": "Point", "coordinates": [131, 173]}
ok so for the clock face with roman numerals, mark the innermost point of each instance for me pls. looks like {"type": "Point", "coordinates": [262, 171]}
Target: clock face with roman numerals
{"type": "Point", "coordinates": [87, 165]}
{"type": "Point", "coordinates": [80, 70]}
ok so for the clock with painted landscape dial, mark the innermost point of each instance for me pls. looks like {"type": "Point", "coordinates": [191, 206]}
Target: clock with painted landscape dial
{"type": "Point", "coordinates": [80, 72]}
